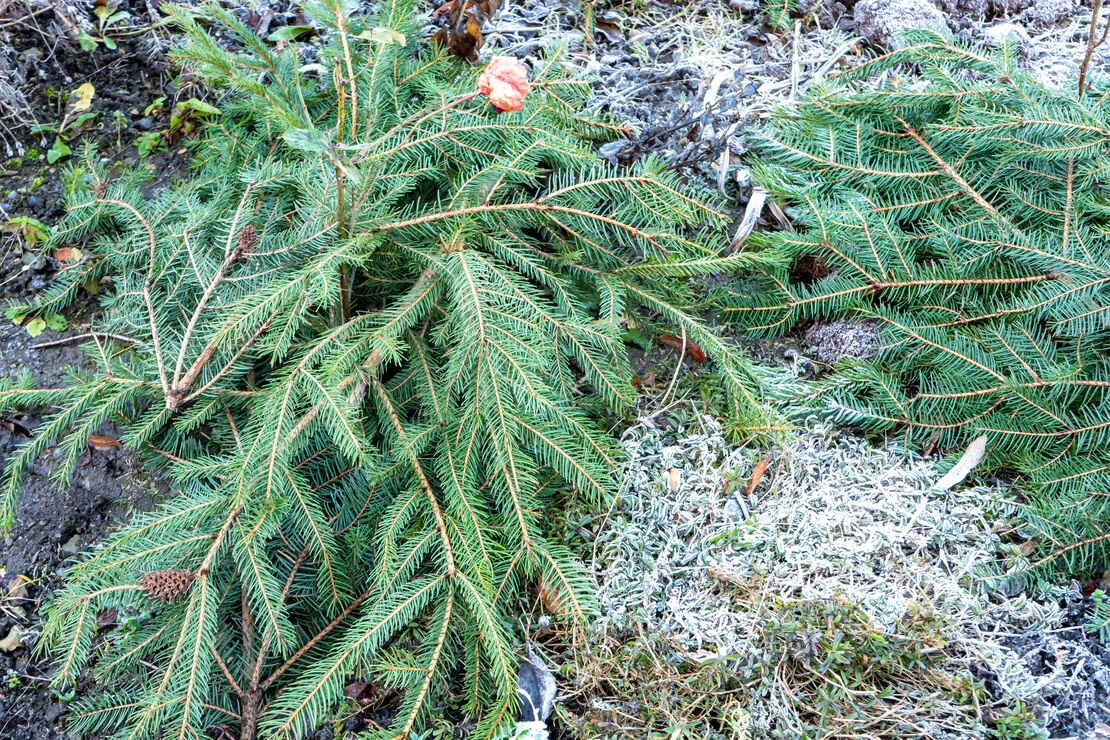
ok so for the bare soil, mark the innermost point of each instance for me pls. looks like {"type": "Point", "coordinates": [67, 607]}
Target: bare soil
{"type": "Point", "coordinates": [55, 522]}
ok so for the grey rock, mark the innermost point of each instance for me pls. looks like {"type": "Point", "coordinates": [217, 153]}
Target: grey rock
{"type": "Point", "coordinates": [72, 546]}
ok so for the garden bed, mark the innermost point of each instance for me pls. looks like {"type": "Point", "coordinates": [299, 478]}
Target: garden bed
{"type": "Point", "coordinates": [690, 81]}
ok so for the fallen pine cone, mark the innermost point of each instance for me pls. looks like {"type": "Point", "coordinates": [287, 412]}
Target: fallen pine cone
{"type": "Point", "coordinates": [166, 585]}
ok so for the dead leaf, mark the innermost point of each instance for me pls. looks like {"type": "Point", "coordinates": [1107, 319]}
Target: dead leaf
{"type": "Point", "coordinates": [362, 692]}
{"type": "Point", "coordinates": [11, 643]}
{"type": "Point", "coordinates": [68, 254]}
{"type": "Point", "coordinates": [674, 479]}
{"type": "Point", "coordinates": [693, 351]}
{"type": "Point", "coordinates": [80, 100]}
{"type": "Point", "coordinates": [757, 475]}
{"type": "Point", "coordinates": [932, 445]}
{"type": "Point", "coordinates": [14, 427]}
{"type": "Point", "coordinates": [551, 599]}
{"type": "Point", "coordinates": [106, 618]}
{"type": "Point", "coordinates": [103, 444]}
{"type": "Point", "coordinates": [18, 588]}
{"type": "Point", "coordinates": [729, 579]}
{"type": "Point", "coordinates": [972, 456]}
{"type": "Point", "coordinates": [465, 18]}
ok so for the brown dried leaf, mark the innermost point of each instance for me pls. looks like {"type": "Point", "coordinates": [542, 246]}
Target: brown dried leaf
{"type": "Point", "coordinates": [67, 254]}
{"type": "Point", "coordinates": [11, 643]}
{"type": "Point", "coordinates": [674, 479]}
{"type": "Point", "coordinates": [693, 351]}
{"type": "Point", "coordinates": [18, 588]}
{"type": "Point", "coordinates": [14, 427]}
{"type": "Point", "coordinates": [106, 618]}
{"type": "Point", "coordinates": [465, 18]}
{"type": "Point", "coordinates": [757, 475]}
{"type": "Point", "coordinates": [103, 444]}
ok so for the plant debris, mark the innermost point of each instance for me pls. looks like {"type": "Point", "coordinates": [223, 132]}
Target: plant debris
{"type": "Point", "coordinates": [947, 638]}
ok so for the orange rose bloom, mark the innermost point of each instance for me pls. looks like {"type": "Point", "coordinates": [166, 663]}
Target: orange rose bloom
{"type": "Point", "coordinates": [505, 82]}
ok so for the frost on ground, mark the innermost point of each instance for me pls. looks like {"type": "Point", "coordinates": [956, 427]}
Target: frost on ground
{"type": "Point", "coordinates": [843, 595]}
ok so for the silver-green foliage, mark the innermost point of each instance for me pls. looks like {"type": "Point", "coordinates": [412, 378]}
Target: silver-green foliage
{"type": "Point", "coordinates": [359, 339]}
{"type": "Point", "coordinates": [961, 205]}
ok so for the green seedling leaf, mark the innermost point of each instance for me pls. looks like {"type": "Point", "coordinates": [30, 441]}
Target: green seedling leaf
{"type": "Point", "coordinates": [35, 327]}
{"type": "Point", "coordinates": [108, 18]}
{"type": "Point", "coordinates": [82, 119]}
{"type": "Point", "coordinates": [638, 338]}
{"type": "Point", "coordinates": [307, 140]}
{"type": "Point", "coordinates": [56, 322]}
{"type": "Point", "coordinates": [383, 35]}
{"type": "Point", "coordinates": [149, 142]}
{"type": "Point", "coordinates": [13, 315]}
{"type": "Point", "coordinates": [198, 107]}
{"type": "Point", "coordinates": [155, 106]}
{"type": "Point", "coordinates": [289, 33]}
{"type": "Point", "coordinates": [60, 150]}
{"type": "Point", "coordinates": [32, 230]}
{"type": "Point", "coordinates": [87, 41]}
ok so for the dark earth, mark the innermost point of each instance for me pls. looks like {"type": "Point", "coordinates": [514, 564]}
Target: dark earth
{"type": "Point", "coordinates": [41, 62]}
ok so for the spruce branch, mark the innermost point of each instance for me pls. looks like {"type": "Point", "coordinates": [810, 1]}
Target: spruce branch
{"type": "Point", "coordinates": [962, 211]}
{"type": "Point", "coordinates": [360, 341]}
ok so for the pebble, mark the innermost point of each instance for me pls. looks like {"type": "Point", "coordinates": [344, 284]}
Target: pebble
{"type": "Point", "coordinates": [144, 124]}
{"type": "Point", "coordinates": [750, 89]}
{"type": "Point", "coordinates": [72, 546]}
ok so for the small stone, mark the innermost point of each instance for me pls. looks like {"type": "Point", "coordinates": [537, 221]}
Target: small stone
{"type": "Point", "coordinates": [72, 546]}
{"type": "Point", "coordinates": [750, 89]}
{"type": "Point", "coordinates": [144, 124]}
{"type": "Point", "coordinates": [11, 643]}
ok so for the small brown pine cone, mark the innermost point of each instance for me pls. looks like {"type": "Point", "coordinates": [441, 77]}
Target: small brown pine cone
{"type": "Point", "coordinates": [166, 585]}
{"type": "Point", "coordinates": [248, 240]}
